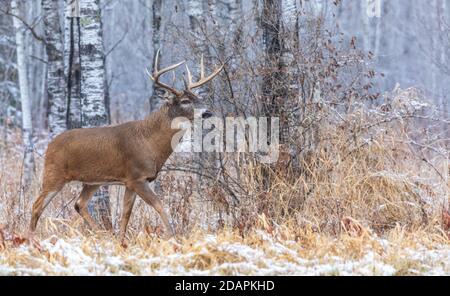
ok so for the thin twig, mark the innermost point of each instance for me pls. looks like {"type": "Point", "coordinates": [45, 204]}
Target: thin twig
{"type": "Point", "coordinates": [116, 44]}
{"type": "Point", "coordinates": [27, 26]}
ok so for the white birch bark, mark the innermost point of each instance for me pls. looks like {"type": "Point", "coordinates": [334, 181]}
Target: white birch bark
{"type": "Point", "coordinates": [93, 109]}
{"type": "Point", "coordinates": [289, 20]}
{"type": "Point", "coordinates": [434, 50]}
{"type": "Point", "coordinates": [366, 30]}
{"type": "Point", "coordinates": [92, 65]}
{"type": "Point", "coordinates": [155, 99]}
{"type": "Point", "coordinates": [439, 48]}
{"type": "Point", "coordinates": [27, 127]}
{"type": "Point", "coordinates": [443, 58]}
{"type": "Point", "coordinates": [72, 67]}
{"type": "Point", "coordinates": [378, 34]}
{"type": "Point", "coordinates": [55, 72]}
{"type": "Point", "coordinates": [30, 11]}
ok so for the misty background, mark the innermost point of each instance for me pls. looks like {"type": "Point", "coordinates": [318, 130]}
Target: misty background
{"type": "Point", "coordinates": [408, 42]}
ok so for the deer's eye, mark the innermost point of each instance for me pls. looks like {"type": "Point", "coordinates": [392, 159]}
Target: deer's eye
{"type": "Point", "coordinates": [185, 102]}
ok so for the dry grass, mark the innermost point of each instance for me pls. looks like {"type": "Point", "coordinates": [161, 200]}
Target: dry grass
{"type": "Point", "coordinates": [285, 250]}
{"type": "Point", "coordinates": [368, 196]}
{"type": "Point", "coordinates": [381, 166]}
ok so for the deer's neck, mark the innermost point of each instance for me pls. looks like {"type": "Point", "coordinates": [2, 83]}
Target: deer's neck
{"type": "Point", "coordinates": [158, 128]}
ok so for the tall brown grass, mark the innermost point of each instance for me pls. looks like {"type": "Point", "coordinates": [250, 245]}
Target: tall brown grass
{"type": "Point", "coordinates": [384, 167]}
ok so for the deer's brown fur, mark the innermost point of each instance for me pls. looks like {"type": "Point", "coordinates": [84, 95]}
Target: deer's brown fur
{"type": "Point", "coordinates": [129, 154]}
{"type": "Point", "coordinates": [113, 154]}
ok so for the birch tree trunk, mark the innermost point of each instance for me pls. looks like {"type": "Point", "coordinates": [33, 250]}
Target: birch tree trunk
{"type": "Point", "coordinates": [290, 43]}
{"type": "Point", "coordinates": [55, 72]}
{"type": "Point", "coordinates": [92, 65]}
{"type": "Point", "coordinates": [366, 28]}
{"type": "Point", "coordinates": [155, 99]}
{"type": "Point", "coordinates": [378, 34]}
{"type": "Point", "coordinates": [93, 109]}
{"type": "Point", "coordinates": [27, 127]}
{"type": "Point", "coordinates": [30, 11]}
{"type": "Point", "coordinates": [443, 57]}
{"type": "Point", "coordinates": [72, 67]}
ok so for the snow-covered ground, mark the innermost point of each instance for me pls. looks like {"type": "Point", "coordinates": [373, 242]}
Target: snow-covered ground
{"type": "Point", "coordinates": [213, 255]}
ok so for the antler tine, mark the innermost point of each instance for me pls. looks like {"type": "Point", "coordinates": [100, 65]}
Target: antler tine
{"type": "Point", "coordinates": [157, 74]}
{"type": "Point", "coordinates": [203, 80]}
{"type": "Point", "coordinates": [149, 75]}
{"type": "Point", "coordinates": [157, 60]}
{"type": "Point", "coordinates": [189, 76]}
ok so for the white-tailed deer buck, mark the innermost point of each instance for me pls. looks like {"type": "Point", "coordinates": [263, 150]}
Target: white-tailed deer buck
{"type": "Point", "coordinates": [129, 154]}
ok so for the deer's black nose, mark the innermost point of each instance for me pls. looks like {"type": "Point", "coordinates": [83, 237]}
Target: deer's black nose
{"type": "Point", "coordinates": [206, 114]}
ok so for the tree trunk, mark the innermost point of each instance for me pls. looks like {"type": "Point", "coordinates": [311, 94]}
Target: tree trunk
{"type": "Point", "coordinates": [32, 10]}
{"type": "Point", "coordinates": [93, 109]}
{"type": "Point", "coordinates": [72, 68]}
{"type": "Point", "coordinates": [92, 65]}
{"type": "Point", "coordinates": [444, 30]}
{"type": "Point", "coordinates": [228, 14]}
{"type": "Point", "coordinates": [273, 88]}
{"type": "Point", "coordinates": [290, 43]}
{"type": "Point", "coordinates": [195, 11]}
{"type": "Point", "coordinates": [366, 27]}
{"type": "Point", "coordinates": [55, 72]}
{"type": "Point", "coordinates": [27, 127]}
{"type": "Point", "coordinates": [155, 99]}
{"type": "Point", "coordinates": [235, 18]}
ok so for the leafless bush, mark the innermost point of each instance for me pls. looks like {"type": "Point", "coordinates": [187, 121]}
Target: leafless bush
{"type": "Point", "coordinates": [381, 159]}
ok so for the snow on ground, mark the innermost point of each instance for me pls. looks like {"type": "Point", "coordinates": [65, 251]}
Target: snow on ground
{"type": "Point", "coordinates": [211, 255]}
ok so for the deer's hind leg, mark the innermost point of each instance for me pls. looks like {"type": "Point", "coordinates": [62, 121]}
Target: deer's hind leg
{"type": "Point", "coordinates": [82, 202]}
{"type": "Point", "coordinates": [128, 201]}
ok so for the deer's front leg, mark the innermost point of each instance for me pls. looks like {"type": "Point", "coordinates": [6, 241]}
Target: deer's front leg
{"type": "Point", "coordinates": [128, 202]}
{"type": "Point", "coordinates": [147, 194]}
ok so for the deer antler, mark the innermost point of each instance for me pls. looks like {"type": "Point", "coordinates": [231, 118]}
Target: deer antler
{"type": "Point", "coordinates": [157, 74]}
{"type": "Point", "coordinates": [191, 85]}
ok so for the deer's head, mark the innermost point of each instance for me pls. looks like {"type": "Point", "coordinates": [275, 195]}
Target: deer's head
{"type": "Point", "coordinates": [184, 103]}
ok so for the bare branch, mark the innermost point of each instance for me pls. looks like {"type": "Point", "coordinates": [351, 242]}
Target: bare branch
{"type": "Point", "coordinates": [118, 42]}
{"type": "Point", "coordinates": [27, 26]}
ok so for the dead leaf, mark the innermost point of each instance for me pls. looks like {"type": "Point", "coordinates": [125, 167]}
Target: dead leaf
{"type": "Point", "coordinates": [18, 240]}
{"type": "Point", "coordinates": [353, 227]}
